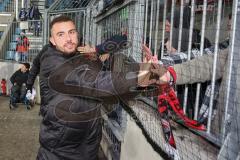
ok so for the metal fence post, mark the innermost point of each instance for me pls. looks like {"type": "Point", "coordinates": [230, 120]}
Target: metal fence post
{"type": "Point", "coordinates": [201, 53]}
{"type": "Point", "coordinates": [46, 29]}
{"type": "Point", "coordinates": [214, 65]}
{"type": "Point", "coordinates": [16, 10]}
{"type": "Point", "coordinates": [233, 59]}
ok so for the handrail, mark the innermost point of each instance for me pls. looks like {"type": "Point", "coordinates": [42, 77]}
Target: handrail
{"type": "Point", "coordinates": [5, 38]}
{"type": "Point", "coordinates": [7, 6]}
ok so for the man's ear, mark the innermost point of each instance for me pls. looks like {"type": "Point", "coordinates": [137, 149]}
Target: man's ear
{"type": "Point", "coordinates": [52, 41]}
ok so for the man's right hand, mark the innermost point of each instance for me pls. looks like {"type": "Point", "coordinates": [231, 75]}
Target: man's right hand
{"type": "Point", "coordinates": [152, 73]}
{"type": "Point", "coordinates": [29, 94]}
{"type": "Point", "coordinates": [164, 75]}
{"type": "Point", "coordinates": [88, 51]}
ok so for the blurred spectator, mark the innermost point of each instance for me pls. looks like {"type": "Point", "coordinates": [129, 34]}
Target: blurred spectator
{"type": "Point", "coordinates": [22, 47]}
{"type": "Point", "coordinates": [196, 37]}
{"type": "Point", "coordinates": [23, 14]}
{"type": "Point", "coordinates": [19, 80]}
{"type": "Point", "coordinates": [34, 14]}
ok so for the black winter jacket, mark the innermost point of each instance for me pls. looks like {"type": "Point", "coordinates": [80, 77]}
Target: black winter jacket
{"type": "Point", "coordinates": [19, 77]}
{"type": "Point", "coordinates": [71, 98]}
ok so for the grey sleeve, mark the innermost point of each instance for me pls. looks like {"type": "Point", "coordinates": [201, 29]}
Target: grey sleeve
{"type": "Point", "coordinates": [200, 69]}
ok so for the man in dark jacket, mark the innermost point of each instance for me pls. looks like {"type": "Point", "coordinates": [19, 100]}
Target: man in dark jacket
{"type": "Point", "coordinates": [72, 89]}
{"type": "Point", "coordinates": [19, 80]}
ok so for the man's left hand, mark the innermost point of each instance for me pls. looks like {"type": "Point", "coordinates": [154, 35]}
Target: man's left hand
{"type": "Point", "coordinates": [104, 57]}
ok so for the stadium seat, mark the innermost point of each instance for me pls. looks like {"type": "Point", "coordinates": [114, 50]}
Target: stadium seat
{"type": "Point", "coordinates": [10, 55]}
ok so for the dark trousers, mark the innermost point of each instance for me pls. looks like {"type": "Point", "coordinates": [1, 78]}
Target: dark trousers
{"type": "Point", "coordinates": [18, 94]}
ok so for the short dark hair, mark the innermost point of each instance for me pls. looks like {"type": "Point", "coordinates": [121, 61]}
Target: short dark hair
{"type": "Point", "coordinates": [27, 65]}
{"type": "Point", "coordinates": [60, 19]}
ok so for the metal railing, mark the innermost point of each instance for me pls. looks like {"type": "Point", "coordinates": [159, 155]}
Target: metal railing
{"type": "Point", "coordinates": [71, 4]}
{"type": "Point", "coordinates": [154, 38]}
{"type": "Point", "coordinates": [16, 47]}
{"type": "Point", "coordinates": [5, 40]}
{"type": "Point", "coordinates": [145, 20]}
{"type": "Point", "coordinates": [12, 6]}
{"type": "Point", "coordinates": [7, 5]}
{"type": "Point", "coordinates": [100, 26]}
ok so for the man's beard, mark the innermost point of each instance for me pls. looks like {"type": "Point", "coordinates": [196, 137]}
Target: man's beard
{"type": "Point", "coordinates": [67, 54]}
{"type": "Point", "coordinates": [70, 54]}
{"type": "Point", "coordinates": [73, 44]}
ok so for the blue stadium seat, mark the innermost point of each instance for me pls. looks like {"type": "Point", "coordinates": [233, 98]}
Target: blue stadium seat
{"type": "Point", "coordinates": [3, 5]}
{"type": "Point", "coordinates": [18, 31]}
{"type": "Point", "coordinates": [13, 46]}
{"type": "Point", "coordinates": [15, 38]}
{"type": "Point", "coordinates": [1, 33]}
{"type": "Point", "coordinates": [1, 8]}
{"type": "Point", "coordinates": [10, 55]}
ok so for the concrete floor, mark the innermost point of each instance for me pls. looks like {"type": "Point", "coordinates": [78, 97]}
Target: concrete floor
{"type": "Point", "coordinates": [19, 131]}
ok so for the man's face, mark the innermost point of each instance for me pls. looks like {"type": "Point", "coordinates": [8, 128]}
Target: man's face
{"type": "Point", "coordinates": [64, 36]}
{"type": "Point", "coordinates": [23, 68]}
{"type": "Point", "coordinates": [167, 26]}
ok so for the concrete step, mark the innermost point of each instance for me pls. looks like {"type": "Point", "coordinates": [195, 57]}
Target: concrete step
{"type": "Point", "coordinates": [41, 8]}
{"type": "Point", "coordinates": [35, 39]}
{"type": "Point", "coordinates": [5, 18]}
{"type": "Point", "coordinates": [35, 46]}
{"type": "Point", "coordinates": [35, 42]}
{"type": "Point", "coordinates": [40, 4]}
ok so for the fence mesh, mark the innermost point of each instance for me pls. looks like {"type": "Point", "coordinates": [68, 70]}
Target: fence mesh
{"type": "Point", "coordinates": [176, 32]}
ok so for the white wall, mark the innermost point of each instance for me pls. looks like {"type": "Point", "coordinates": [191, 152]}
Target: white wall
{"type": "Point", "coordinates": [135, 146]}
{"type": "Point", "coordinates": [6, 71]}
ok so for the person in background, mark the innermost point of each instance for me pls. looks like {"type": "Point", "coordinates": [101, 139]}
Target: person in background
{"type": "Point", "coordinates": [37, 16]}
{"type": "Point", "coordinates": [200, 69]}
{"type": "Point", "coordinates": [22, 47]}
{"type": "Point", "coordinates": [196, 38]}
{"type": "Point", "coordinates": [19, 80]}
{"type": "Point", "coordinates": [75, 133]}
